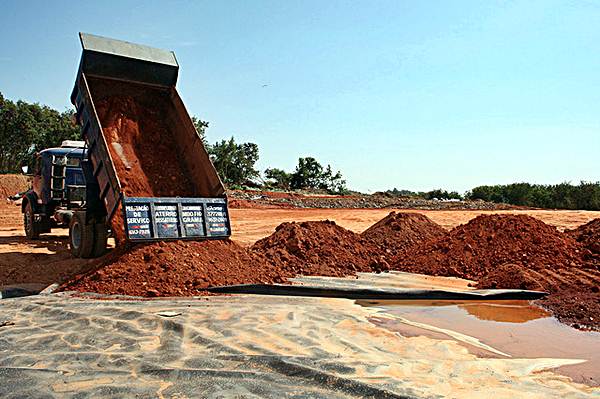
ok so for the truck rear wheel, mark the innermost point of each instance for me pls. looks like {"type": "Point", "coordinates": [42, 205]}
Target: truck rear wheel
{"type": "Point", "coordinates": [81, 236]}
{"type": "Point", "coordinates": [32, 228]}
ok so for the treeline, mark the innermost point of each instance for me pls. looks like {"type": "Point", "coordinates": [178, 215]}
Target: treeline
{"type": "Point", "coordinates": [27, 128]}
{"type": "Point", "coordinates": [585, 195]}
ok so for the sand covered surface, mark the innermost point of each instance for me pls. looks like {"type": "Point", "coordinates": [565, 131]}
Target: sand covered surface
{"type": "Point", "coordinates": [247, 346]}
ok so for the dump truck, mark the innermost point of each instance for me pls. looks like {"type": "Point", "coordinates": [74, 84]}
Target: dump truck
{"type": "Point", "coordinates": [111, 68]}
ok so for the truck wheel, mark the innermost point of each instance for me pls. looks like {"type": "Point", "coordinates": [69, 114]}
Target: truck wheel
{"type": "Point", "coordinates": [32, 228]}
{"type": "Point", "coordinates": [100, 239]}
{"type": "Point", "coordinates": [81, 236]}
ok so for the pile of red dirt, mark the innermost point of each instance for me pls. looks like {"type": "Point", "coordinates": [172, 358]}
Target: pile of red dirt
{"type": "Point", "coordinates": [475, 249]}
{"type": "Point", "coordinates": [400, 233]}
{"type": "Point", "coordinates": [319, 248]}
{"type": "Point", "coordinates": [588, 234]}
{"type": "Point", "coordinates": [13, 184]}
{"type": "Point", "coordinates": [520, 252]}
{"type": "Point", "coordinates": [175, 268]}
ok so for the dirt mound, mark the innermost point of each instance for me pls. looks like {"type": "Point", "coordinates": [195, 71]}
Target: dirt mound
{"type": "Point", "coordinates": [475, 249]}
{"type": "Point", "coordinates": [175, 268]}
{"type": "Point", "coordinates": [521, 252]}
{"type": "Point", "coordinates": [399, 233]}
{"type": "Point", "coordinates": [588, 234]}
{"type": "Point", "coordinates": [319, 248]}
{"type": "Point", "coordinates": [13, 184]}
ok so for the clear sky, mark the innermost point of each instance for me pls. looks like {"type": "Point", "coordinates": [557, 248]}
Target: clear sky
{"type": "Point", "coordinates": [414, 94]}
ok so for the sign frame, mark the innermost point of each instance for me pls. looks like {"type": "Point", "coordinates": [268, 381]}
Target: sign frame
{"type": "Point", "coordinates": [173, 211]}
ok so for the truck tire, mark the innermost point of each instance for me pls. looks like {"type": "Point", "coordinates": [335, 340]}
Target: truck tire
{"type": "Point", "coordinates": [81, 236]}
{"type": "Point", "coordinates": [100, 239]}
{"type": "Point", "coordinates": [32, 228]}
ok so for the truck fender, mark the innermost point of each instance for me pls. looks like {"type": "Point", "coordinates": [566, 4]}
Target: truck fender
{"type": "Point", "coordinates": [31, 197]}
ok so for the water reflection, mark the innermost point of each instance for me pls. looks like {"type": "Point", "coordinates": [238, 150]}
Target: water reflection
{"type": "Point", "coordinates": [518, 328]}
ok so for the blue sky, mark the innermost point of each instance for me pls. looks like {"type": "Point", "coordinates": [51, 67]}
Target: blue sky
{"type": "Point", "coordinates": [414, 95]}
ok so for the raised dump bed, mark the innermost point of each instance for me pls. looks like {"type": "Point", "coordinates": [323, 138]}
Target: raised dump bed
{"type": "Point", "coordinates": [147, 171]}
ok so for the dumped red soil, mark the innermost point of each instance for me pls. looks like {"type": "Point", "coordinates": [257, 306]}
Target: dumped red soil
{"type": "Point", "coordinates": [588, 234]}
{"type": "Point", "coordinates": [13, 184]}
{"type": "Point", "coordinates": [319, 248]}
{"type": "Point", "coordinates": [476, 248]}
{"type": "Point", "coordinates": [187, 268]}
{"type": "Point", "coordinates": [399, 233]}
{"type": "Point", "coordinates": [175, 268]}
{"type": "Point", "coordinates": [521, 252]}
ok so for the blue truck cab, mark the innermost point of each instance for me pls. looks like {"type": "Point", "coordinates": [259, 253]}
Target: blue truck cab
{"type": "Point", "coordinates": [58, 188]}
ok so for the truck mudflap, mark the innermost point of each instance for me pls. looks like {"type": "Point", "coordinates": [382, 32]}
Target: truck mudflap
{"type": "Point", "coordinates": [175, 218]}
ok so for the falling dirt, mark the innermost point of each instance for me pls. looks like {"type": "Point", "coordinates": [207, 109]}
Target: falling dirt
{"type": "Point", "coordinates": [142, 147]}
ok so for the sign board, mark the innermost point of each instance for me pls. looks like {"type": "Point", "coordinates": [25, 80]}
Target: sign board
{"type": "Point", "coordinates": [152, 219]}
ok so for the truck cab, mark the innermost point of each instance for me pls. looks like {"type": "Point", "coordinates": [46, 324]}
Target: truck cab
{"type": "Point", "coordinates": [58, 190]}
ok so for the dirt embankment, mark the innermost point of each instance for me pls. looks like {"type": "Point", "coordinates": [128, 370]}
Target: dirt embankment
{"type": "Point", "coordinates": [13, 184]}
{"type": "Point", "coordinates": [185, 268]}
{"type": "Point", "coordinates": [588, 234]}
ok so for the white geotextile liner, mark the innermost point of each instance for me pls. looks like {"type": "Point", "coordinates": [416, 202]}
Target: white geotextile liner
{"type": "Point", "coordinates": [250, 346]}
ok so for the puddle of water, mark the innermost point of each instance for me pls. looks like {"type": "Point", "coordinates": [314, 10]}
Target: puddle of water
{"type": "Point", "coordinates": [517, 328]}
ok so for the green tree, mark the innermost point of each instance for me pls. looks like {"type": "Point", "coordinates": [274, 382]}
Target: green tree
{"type": "Point", "coordinates": [201, 127]}
{"type": "Point", "coordinates": [309, 173]}
{"type": "Point", "coordinates": [441, 194]}
{"type": "Point", "coordinates": [234, 162]}
{"type": "Point", "coordinates": [27, 128]}
{"type": "Point", "coordinates": [278, 178]}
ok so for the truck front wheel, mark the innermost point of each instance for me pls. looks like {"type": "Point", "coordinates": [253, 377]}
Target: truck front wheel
{"type": "Point", "coordinates": [81, 236]}
{"type": "Point", "coordinates": [32, 228]}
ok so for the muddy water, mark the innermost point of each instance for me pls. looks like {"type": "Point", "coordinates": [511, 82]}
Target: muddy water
{"type": "Point", "coordinates": [516, 328]}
